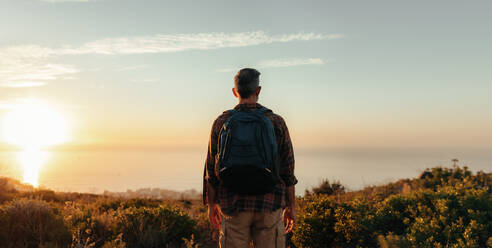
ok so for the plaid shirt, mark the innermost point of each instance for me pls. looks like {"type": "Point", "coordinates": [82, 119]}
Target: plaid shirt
{"type": "Point", "coordinates": [230, 202]}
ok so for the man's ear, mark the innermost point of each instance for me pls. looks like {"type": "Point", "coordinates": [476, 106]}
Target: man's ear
{"type": "Point", "coordinates": [234, 92]}
{"type": "Point", "coordinates": [258, 90]}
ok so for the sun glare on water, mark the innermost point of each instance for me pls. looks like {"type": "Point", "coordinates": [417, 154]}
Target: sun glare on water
{"type": "Point", "coordinates": [33, 126]}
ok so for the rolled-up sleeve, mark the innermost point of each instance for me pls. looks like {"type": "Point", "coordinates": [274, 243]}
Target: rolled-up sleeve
{"type": "Point", "coordinates": [286, 155]}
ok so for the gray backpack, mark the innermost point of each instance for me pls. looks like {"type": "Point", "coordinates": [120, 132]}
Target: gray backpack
{"type": "Point", "coordinates": [247, 153]}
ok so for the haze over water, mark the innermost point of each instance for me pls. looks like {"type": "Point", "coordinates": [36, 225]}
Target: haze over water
{"type": "Point", "coordinates": [119, 170]}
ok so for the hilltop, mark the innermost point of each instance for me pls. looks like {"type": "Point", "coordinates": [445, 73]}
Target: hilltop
{"type": "Point", "coordinates": [441, 207]}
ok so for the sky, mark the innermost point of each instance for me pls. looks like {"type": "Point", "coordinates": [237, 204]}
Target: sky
{"type": "Point", "coordinates": [145, 73]}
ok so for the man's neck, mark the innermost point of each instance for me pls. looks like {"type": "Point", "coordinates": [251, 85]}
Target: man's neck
{"type": "Point", "coordinates": [248, 101]}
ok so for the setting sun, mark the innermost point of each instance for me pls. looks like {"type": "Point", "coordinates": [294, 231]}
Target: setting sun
{"type": "Point", "coordinates": [33, 126]}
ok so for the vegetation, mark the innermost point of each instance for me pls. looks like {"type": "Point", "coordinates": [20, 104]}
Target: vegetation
{"type": "Point", "coordinates": [443, 207]}
{"type": "Point", "coordinates": [32, 223]}
{"type": "Point", "coordinates": [43, 218]}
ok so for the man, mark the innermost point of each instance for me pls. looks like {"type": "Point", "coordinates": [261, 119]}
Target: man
{"type": "Point", "coordinates": [243, 218]}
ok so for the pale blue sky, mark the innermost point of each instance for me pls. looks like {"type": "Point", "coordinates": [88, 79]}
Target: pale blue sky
{"type": "Point", "coordinates": [342, 73]}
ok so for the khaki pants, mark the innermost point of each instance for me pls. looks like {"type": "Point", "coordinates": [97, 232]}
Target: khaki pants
{"type": "Point", "coordinates": [264, 229]}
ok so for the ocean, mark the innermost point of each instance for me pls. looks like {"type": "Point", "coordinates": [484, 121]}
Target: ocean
{"type": "Point", "coordinates": [119, 170]}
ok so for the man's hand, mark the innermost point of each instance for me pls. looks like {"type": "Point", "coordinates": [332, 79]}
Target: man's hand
{"type": "Point", "coordinates": [289, 219]}
{"type": "Point", "coordinates": [214, 215]}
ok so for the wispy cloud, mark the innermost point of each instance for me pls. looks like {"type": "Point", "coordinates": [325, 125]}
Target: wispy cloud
{"type": "Point", "coordinates": [29, 65]}
{"type": "Point", "coordinates": [184, 42]}
{"type": "Point", "coordinates": [285, 62]}
{"type": "Point", "coordinates": [290, 62]}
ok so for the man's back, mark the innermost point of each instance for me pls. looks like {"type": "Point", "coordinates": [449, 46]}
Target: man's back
{"type": "Point", "coordinates": [242, 218]}
{"type": "Point", "coordinates": [230, 202]}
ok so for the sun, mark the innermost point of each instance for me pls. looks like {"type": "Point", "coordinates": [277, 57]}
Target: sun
{"type": "Point", "coordinates": [33, 126]}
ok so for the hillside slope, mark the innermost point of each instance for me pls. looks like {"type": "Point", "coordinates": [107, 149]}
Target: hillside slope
{"type": "Point", "coordinates": [442, 207]}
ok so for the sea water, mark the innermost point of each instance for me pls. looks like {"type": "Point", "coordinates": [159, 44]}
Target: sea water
{"type": "Point", "coordinates": [118, 170]}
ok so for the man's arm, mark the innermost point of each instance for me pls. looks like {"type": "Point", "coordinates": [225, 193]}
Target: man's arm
{"type": "Point", "coordinates": [211, 194]}
{"type": "Point", "coordinates": [287, 162]}
{"type": "Point", "coordinates": [209, 177]}
{"type": "Point", "coordinates": [210, 180]}
{"type": "Point", "coordinates": [214, 214]}
{"type": "Point", "coordinates": [291, 196]}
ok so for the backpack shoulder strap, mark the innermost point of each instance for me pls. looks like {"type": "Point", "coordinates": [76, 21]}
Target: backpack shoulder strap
{"type": "Point", "coordinates": [231, 111]}
{"type": "Point", "coordinates": [262, 110]}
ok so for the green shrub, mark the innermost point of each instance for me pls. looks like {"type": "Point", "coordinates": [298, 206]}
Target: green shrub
{"type": "Point", "coordinates": [89, 226]}
{"type": "Point", "coordinates": [355, 224]}
{"type": "Point", "coordinates": [164, 226]}
{"type": "Point", "coordinates": [32, 223]}
{"type": "Point", "coordinates": [327, 188]}
{"type": "Point", "coordinates": [324, 222]}
{"type": "Point", "coordinates": [316, 222]}
{"type": "Point", "coordinates": [443, 208]}
{"type": "Point", "coordinates": [448, 217]}
{"type": "Point", "coordinates": [101, 225]}
{"type": "Point", "coordinates": [206, 236]}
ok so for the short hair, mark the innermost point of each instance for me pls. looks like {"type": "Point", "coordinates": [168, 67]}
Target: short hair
{"type": "Point", "coordinates": [246, 82]}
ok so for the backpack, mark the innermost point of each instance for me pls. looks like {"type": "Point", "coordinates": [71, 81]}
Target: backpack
{"type": "Point", "coordinates": [246, 161]}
